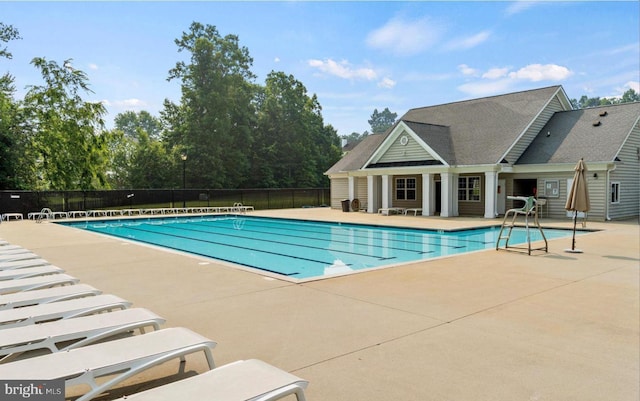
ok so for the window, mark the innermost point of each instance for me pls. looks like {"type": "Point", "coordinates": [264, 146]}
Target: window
{"type": "Point", "coordinates": [405, 188]}
{"type": "Point", "coordinates": [615, 192]}
{"type": "Point", "coordinates": [469, 189]}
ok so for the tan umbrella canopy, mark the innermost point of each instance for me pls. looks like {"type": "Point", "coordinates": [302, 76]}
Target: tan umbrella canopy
{"type": "Point", "coordinates": [578, 198]}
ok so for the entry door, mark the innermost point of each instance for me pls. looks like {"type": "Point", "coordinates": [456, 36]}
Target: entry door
{"type": "Point", "coordinates": [501, 197]}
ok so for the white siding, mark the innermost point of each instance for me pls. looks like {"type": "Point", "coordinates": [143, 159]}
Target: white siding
{"type": "Point", "coordinates": [339, 191]}
{"type": "Point", "coordinates": [528, 137]}
{"type": "Point", "coordinates": [627, 173]}
{"type": "Point", "coordinates": [399, 152]}
{"type": "Point", "coordinates": [361, 191]}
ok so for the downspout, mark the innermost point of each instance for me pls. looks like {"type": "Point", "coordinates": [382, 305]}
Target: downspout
{"type": "Point", "coordinates": [607, 190]}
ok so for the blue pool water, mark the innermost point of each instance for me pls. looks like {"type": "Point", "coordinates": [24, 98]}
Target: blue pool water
{"type": "Point", "coordinates": [303, 249]}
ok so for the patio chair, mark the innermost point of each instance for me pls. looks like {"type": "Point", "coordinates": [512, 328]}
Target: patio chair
{"type": "Point", "coordinates": [12, 257]}
{"type": "Point", "coordinates": [46, 295]}
{"type": "Point", "coordinates": [11, 249]}
{"type": "Point", "coordinates": [120, 359]}
{"type": "Point", "coordinates": [20, 264]}
{"type": "Point", "coordinates": [60, 310]}
{"type": "Point", "coordinates": [63, 335]}
{"type": "Point", "coordinates": [238, 381]}
{"type": "Point", "coordinates": [36, 283]}
{"type": "Point", "coordinates": [15, 274]}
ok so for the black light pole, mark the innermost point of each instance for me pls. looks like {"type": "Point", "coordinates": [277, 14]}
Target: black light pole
{"type": "Point", "coordinates": [184, 178]}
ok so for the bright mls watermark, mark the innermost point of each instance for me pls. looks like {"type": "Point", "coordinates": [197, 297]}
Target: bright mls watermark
{"type": "Point", "coordinates": [37, 390]}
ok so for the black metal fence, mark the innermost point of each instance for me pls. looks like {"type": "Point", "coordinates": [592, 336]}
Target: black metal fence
{"type": "Point", "coordinates": [64, 201]}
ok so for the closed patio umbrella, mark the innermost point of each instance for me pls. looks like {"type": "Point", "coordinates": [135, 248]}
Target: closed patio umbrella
{"type": "Point", "coordinates": [578, 198]}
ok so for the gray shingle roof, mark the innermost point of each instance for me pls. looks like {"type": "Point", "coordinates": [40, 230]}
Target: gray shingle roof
{"type": "Point", "coordinates": [482, 130]}
{"type": "Point", "coordinates": [356, 158]}
{"type": "Point", "coordinates": [573, 135]}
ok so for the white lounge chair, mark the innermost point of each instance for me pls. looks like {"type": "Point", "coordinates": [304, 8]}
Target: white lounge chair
{"type": "Point", "coordinates": [15, 274]}
{"type": "Point", "coordinates": [63, 335]}
{"type": "Point", "coordinates": [12, 257]}
{"type": "Point", "coordinates": [122, 358]}
{"type": "Point", "coordinates": [19, 264]}
{"type": "Point", "coordinates": [60, 310]}
{"type": "Point", "coordinates": [36, 283]}
{"type": "Point", "coordinates": [46, 295]}
{"type": "Point", "coordinates": [238, 381]}
{"type": "Point", "coordinates": [12, 249]}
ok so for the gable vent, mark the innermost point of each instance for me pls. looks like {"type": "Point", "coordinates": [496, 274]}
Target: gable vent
{"type": "Point", "coordinates": [597, 123]}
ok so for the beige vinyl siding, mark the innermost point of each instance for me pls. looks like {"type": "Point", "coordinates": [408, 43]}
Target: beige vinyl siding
{"type": "Point", "coordinates": [411, 151]}
{"type": "Point", "coordinates": [361, 191]}
{"type": "Point", "coordinates": [528, 137]}
{"type": "Point", "coordinates": [627, 174]}
{"type": "Point", "coordinates": [555, 205]}
{"type": "Point", "coordinates": [339, 191]}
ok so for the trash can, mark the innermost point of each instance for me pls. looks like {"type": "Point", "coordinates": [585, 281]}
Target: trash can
{"type": "Point", "coordinates": [345, 205]}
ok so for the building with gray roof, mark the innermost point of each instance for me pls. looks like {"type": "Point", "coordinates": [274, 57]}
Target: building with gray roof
{"type": "Point", "coordinates": [468, 157]}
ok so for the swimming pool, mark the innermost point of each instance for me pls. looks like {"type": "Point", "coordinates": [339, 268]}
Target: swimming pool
{"type": "Point", "coordinates": [302, 249]}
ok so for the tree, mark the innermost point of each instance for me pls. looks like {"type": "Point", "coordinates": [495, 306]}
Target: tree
{"type": "Point", "coordinates": [585, 101]}
{"type": "Point", "coordinates": [67, 147]}
{"type": "Point", "coordinates": [216, 114]}
{"type": "Point", "coordinates": [130, 122]}
{"type": "Point", "coordinates": [382, 121]}
{"type": "Point", "coordinates": [10, 119]}
{"type": "Point", "coordinates": [292, 147]}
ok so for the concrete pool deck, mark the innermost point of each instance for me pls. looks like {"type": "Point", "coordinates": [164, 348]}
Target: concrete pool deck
{"type": "Point", "coordinates": [491, 325]}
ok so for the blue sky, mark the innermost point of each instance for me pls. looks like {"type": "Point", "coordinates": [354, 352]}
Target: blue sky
{"type": "Point", "coordinates": [355, 56]}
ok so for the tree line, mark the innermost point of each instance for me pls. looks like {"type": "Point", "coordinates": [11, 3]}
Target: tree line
{"type": "Point", "coordinates": [225, 132]}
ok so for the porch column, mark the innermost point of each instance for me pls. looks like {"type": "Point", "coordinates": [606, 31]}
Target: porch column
{"type": "Point", "coordinates": [490, 192]}
{"type": "Point", "coordinates": [372, 194]}
{"type": "Point", "coordinates": [446, 204]}
{"type": "Point", "coordinates": [386, 192]}
{"type": "Point", "coordinates": [351, 184]}
{"type": "Point", "coordinates": [428, 195]}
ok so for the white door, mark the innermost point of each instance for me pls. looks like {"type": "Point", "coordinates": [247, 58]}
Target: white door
{"type": "Point", "coordinates": [501, 197]}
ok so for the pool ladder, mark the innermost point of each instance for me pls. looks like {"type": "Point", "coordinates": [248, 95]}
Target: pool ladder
{"type": "Point", "coordinates": [530, 208]}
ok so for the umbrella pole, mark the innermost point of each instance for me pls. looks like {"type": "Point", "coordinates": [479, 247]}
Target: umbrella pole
{"type": "Point", "coordinates": [575, 219]}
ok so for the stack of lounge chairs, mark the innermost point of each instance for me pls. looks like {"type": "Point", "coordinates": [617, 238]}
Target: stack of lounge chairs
{"type": "Point", "coordinates": [47, 214]}
{"type": "Point", "coordinates": [54, 328]}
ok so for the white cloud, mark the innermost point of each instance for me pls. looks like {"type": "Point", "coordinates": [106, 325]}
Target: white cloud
{"type": "Point", "coordinates": [93, 66]}
{"type": "Point", "coordinates": [466, 70]}
{"type": "Point", "coordinates": [468, 42]}
{"type": "Point", "coordinates": [343, 69]}
{"type": "Point", "coordinates": [635, 85]}
{"type": "Point", "coordinates": [539, 72]}
{"type": "Point", "coordinates": [500, 80]}
{"type": "Point", "coordinates": [495, 73]}
{"type": "Point", "coordinates": [276, 60]}
{"type": "Point", "coordinates": [387, 83]}
{"type": "Point", "coordinates": [130, 103]}
{"type": "Point", "coordinates": [484, 88]}
{"type": "Point", "coordinates": [405, 37]}
{"type": "Point", "coordinates": [519, 6]}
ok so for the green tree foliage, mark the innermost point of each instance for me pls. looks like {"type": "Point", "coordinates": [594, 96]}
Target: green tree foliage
{"type": "Point", "coordinates": [67, 147]}
{"type": "Point", "coordinates": [151, 166]}
{"type": "Point", "coordinates": [216, 112]}
{"type": "Point", "coordinates": [292, 146]}
{"type": "Point", "coordinates": [10, 118]}
{"type": "Point", "coordinates": [586, 102]}
{"type": "Point", "coordinates": [382, 121]}
{"type": "Point", "coordinates": [130, 122]}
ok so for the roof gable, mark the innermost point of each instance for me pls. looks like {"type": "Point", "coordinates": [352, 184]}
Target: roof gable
{"type": "Point", "coordinates": [483, 130]}
{"type": "Point", "coordinates": [402, 145]}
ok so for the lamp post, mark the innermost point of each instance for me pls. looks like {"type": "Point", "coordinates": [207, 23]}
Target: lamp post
{"type": "Point", "coordinates": [184, 178]}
